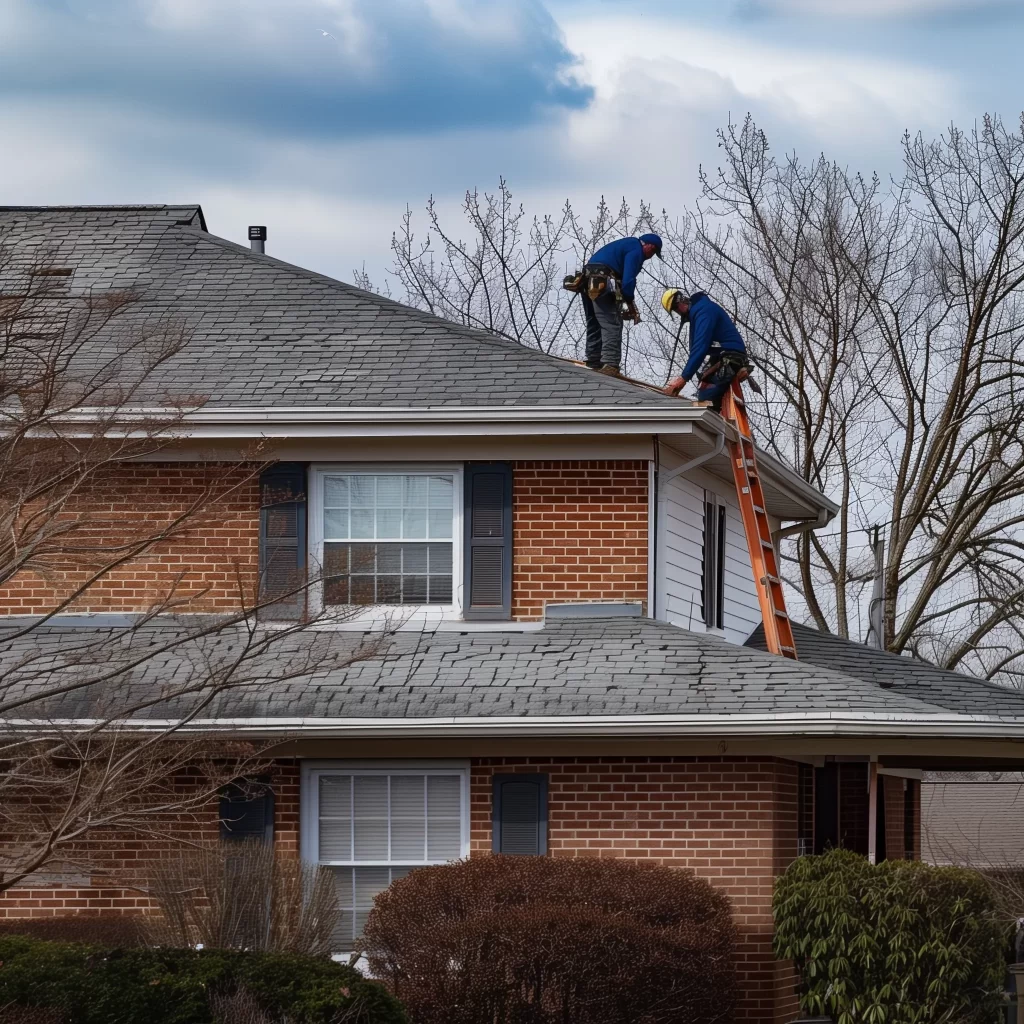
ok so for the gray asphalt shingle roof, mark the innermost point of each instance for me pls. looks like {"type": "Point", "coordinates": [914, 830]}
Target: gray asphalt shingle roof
{"type": "Point", "coordinates": [898, 675]}
{"type": "Point", "coordinates": [264, 332]}
{"type": "Point", "coordinates": [571, 667]}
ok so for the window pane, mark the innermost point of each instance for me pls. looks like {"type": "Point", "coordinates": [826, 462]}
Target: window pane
{"type": "Point", "coordinates": [362, 522]}
{"type": "Point", "coordinates": [444, 820]}
{"type": "Point", "coordinates": [414, 557]}
{"type": "Point", "coordinates": [335, 817]}
{"type": "Point", "coordinates": [335, 492]}
{"type": "Point", "coordinates": [336, 524]}
{"type": "Point", "coordinates": [439, 590]}
{"type": "Point", "coordinates": [344, 933]}
{"type": "Point", "coordinates": [441, 492]}
{"type": "Point", "coordinates": [416, 488]}
{"type": "Point", "coordinates": [440, 558]}
{"type": "Point", "coordinates": [408, 818]}
{"type": "Point", "coordinates": [414, 522]}
{"type": "Point", "coordinates": [370, 806]}
{"type": "Point", "coordinates": [361, 490]}
{"type": "Point", "coordinates": [414, 590]}
{"type": "Point", "coordinates": [389, 491]}
{"type": "Point", "coordinates": [389, 523]}
{"type": "Point", "coordinates": [388, 573]}
{"type": "Point", "coordinates": [440, 523]}
{"type": "Point", "coordinates": [389, 590]}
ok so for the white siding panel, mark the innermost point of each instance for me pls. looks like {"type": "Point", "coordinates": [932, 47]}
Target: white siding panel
{"type": "Point", "coordinates": [742, 610]}
{"type": "Point", "coordinates": [680, 553]}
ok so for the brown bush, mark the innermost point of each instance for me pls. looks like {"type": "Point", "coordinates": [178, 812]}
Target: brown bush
{"type": "Point", "coordinates": [525, 940]}
{"type": "Point", "coordinates": [127, 932]}
{"type": "Point", "coordinates": [245, 895]}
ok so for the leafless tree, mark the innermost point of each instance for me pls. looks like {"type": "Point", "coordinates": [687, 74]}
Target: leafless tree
{"type": "Point", "coordinates": [507, 277]}
{"type": "Point", "coordinates": [886, 320]}
{"type": "Point", "coordinates": [98, 734]}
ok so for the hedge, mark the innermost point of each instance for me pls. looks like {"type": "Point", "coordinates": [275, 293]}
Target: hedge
{"type": "Point", "coordinates": [93, 985]}
{"type": "Point", "coordinates": [899, 942]}
{"type": "Point", "coordinates": [540, 940]}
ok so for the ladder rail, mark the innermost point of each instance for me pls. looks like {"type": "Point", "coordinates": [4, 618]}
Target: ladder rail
{"type": "Point", "coordinates": [778, 629]}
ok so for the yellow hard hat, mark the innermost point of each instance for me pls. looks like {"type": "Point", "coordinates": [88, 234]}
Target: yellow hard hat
{"type": "Point", "coordinates": [668, 300]}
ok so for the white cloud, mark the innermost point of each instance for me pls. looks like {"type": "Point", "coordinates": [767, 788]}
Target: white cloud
{"type": "Point", "coordinates": [872, 8]}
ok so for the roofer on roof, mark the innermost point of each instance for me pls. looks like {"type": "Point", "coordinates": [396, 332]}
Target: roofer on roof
{"type": "Point", "coordinates": [609, 281]}
{"type": "Point", "coordinates": [717, 350]}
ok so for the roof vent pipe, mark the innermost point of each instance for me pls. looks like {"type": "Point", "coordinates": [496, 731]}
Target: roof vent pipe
{"type": "Point", "coordinates": [257, 237]}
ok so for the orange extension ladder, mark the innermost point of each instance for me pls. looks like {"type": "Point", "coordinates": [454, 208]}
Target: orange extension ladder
{"type": "Point", "coordinates": [778, 630]}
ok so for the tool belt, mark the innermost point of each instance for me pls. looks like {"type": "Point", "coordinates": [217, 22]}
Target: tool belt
{"type": "Point", "coordinates": [725, 364]}
{"type": "Point", "coordinates": [601, 280]}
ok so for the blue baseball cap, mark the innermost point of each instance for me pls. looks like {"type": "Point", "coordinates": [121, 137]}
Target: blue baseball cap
{"type": "Point", "coordinates": [654, 240]}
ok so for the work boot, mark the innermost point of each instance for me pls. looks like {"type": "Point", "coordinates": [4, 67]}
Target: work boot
{"type": "Point", "coordinates": [610, 371]}
{"type": "Point", "coordinates": [594, 366]}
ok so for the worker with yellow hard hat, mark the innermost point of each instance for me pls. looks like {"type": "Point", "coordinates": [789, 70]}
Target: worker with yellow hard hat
{"type": "Point", "coordinates": [717, 351]}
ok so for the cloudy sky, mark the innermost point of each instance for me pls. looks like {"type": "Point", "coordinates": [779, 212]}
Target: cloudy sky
{"type": "Point", "coordinates": [324, 118]}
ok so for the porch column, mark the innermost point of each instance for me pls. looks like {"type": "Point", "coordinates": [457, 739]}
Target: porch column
{"type": "Point", "coordinates": [873, 809]}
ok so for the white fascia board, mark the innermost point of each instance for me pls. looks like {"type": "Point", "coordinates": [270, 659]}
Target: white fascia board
{"type": "Point", "coordinates": [794, 724]}
{"type": "Point", "coordinates": [259, 422]}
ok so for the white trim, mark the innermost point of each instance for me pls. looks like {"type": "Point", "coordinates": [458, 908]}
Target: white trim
{"type": "Point", "coordinates": [653, 514]}
{"type": "Point", "coordinates": [902, 773]}
{"type": "Point", "coordinates": [382, 616]}
{"type": "Point", "coordinates": [792, 723]}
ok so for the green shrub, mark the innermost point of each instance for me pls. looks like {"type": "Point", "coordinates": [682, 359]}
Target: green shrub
{"type": "Point", "coordinates": [538, 940]}
{"type": "Point", "coordinates": [899, 942]}
{"type": "Point", "coordinates": [92, 985]}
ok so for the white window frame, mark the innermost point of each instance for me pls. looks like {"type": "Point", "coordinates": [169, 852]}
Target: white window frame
{"type": "Point", "coordinates": [309, 804]}
{"type": "Point", "coordinates": [721, 511]}
{"type": "Point", "coordinates": [377, 614]}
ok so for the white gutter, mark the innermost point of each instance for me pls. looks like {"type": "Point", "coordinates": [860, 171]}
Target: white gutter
{"type": "Point", "coordinates": [794, 723]}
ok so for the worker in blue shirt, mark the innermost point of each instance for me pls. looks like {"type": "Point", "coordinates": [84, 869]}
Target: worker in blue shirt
{"type": "Point", "coordinates": [717, 351]}
{"type": "Point", "coordinates": [609, 282]}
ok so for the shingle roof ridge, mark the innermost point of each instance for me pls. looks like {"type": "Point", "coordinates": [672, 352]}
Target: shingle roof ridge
{"type": "Point", "coordinates": [478, 335]}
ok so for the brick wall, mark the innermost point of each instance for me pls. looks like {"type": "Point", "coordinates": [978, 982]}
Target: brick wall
{"type": "Point", "coordinates": [579, 533]}
{"type": "Point", "coordinates": [714, 816]}
{"type": "Point", "coordinates": [122, 862]}
{"type": "Point", "coordinates": [214, 554]}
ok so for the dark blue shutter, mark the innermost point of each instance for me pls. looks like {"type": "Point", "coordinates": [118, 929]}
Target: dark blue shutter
{"type": "Point", "coordinates": [283, 541]}
{"type": "Point", "coordinates": [488, 532]}
{"type": "Point", "coordinates": [247, 812]}
{"type": "Point", "coordinates": [520, 809]}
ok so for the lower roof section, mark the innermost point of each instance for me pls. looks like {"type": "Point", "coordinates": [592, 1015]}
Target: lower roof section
{"type": "Point", "coordinates": [576, 677]}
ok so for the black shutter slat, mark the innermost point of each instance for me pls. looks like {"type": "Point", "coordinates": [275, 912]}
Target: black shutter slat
{"type": "Point", "coordinates": [488, 541]}
{"type": "Point", "coordinates": [245, 814]}
{"type": "Point", "coordinates": [520, 815]}
{"type": "Point", "coordinates": [283, 541]}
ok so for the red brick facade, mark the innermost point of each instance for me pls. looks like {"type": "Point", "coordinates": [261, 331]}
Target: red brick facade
{"type": "Point", "coordinates": [579, 533]}
{"type": "Point", "coordinates": [211, 559]}
{"type": "Point", "coordinates": [732, 821]}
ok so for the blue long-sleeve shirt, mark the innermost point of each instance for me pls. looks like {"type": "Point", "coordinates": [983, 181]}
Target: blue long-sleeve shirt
{"type": "Point", "coordinates": [625, 256]}
{"type": "Point", "coordinates": [709, 325]}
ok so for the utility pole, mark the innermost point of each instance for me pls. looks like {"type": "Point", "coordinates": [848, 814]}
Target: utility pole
{"type": "Point", "coordinates": [876, 619]}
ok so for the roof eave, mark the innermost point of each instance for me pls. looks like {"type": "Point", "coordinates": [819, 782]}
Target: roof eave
{"type": "Point", "coordinates": [865, 724]}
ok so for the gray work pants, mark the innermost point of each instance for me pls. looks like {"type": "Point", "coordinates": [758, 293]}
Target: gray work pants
{"type": "Point", "coordinates": [604, 331]}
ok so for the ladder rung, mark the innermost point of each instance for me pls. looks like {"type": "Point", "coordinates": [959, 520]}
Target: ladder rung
{"type": "Point", "coordinates": [783, 647]}
{"type": "Point", "coordinates": [757, 508]}
{"type": "Point", "coordinates": [765, 580]}
{"type": "Point", "coordinates": [781, 614]}
{"type": "Point", "coordinates": [766, 543]}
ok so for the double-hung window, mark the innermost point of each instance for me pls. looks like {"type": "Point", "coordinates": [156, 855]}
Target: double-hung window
{"type": "Point", "coordinates": [389, 537]}
{"type": "Point", "coordinates": [372, 826]}
{"type": "Point", "coordinates": [713, 562]}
